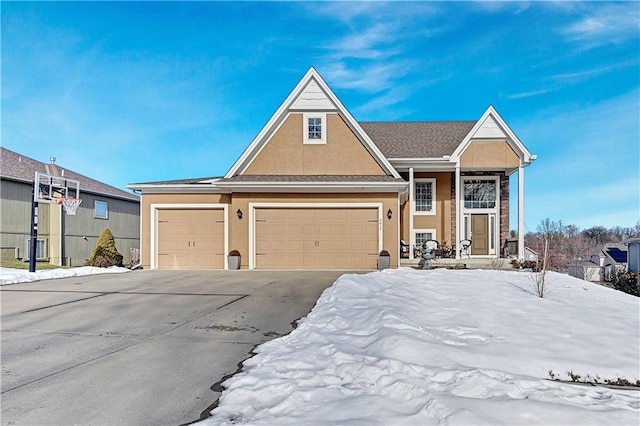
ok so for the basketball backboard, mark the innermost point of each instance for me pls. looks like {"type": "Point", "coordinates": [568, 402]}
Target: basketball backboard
{"type": "Point", "coordinates": [49, 188]}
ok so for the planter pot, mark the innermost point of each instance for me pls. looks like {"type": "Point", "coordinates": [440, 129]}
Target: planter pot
{"type": "Point", "coordinates": [383, 262]}
{"type": "Point", "coordinates": [233, 262]}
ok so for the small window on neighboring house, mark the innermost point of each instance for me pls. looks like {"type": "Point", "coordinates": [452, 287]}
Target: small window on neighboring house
{"type": "Point", "coordinates": [41, 249]}
{"type": "Point", "coordinates": [315, 129]}
{"type": "Point", "coordinates": [101, 210]}
{"type": "Point", "coordinates": [424, 196]}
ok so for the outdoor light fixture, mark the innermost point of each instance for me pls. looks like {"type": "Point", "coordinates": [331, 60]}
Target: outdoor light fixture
{"type": "Point", "coordinates": [389, 214]}
{"type": "Point", "coordinates": [239, 213]}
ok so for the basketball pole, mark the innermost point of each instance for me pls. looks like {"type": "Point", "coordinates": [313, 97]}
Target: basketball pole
{"type": "Point", "coordinates": [34, 230]}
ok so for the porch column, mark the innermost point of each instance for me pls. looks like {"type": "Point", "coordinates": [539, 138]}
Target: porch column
{"type": "Point", "coordinates": [412, 237]}
{"type": "Point", "coordinates": [458, 210]}
{"type": "Point", "coordinates": [521, 212]}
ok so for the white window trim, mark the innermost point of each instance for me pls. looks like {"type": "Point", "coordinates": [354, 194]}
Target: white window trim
{"type": "Point", "coordinates": [27, 255]}
{"type": "Point", "coordinates": [466, 209]}
{"type": "Point", "coordinates": [95, 209]}
{"type": "Point", "coordinates": [305, 128]}
{"type": "Point", "coordinates": [431, 212]}
{"type": "Point", "coordinates": [434, 236]}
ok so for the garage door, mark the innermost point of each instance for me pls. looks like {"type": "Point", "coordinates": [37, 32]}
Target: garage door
{"type": "Point", "coordinates": [316, 238]}
{"type": "Point", "coordinates": [190, 239]}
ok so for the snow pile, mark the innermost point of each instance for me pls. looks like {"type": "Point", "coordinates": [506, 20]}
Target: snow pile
{"type": "Point", "coordinates": [15, 276]}
{"type": "Point", "coordinates": [454, 347]}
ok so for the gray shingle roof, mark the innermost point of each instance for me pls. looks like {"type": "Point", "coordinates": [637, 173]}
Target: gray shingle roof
{"type": "Point", "coordinates": [417, 139]}
{"type": "Point", "coordinates": [190, 181]}
{"type": "Point", "coordinates": [18, 167]}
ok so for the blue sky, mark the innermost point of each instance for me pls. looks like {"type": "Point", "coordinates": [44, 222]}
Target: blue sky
{"type": "Point", "coordinates": [135, 92]}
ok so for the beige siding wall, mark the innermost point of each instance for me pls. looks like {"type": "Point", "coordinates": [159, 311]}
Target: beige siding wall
{"type": "Point", "coordinates": [148, 199]}
{"type": "Point", "coordinates": [441, 221]}
{"type": "Point", "coordinates": [286, 154]}
{"type": "Point", "coordinates": [239, 228]}
{"type": "Point", "coordinates": [489, 154]}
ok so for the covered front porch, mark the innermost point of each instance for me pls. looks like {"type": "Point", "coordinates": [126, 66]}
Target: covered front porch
{"type": "Point", "coordinates": [467, 213]}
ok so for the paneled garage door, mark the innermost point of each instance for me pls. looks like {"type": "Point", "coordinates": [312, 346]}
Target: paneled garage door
{"type": "Point", "coordinates": [190, 239]}
{"type": "Point", "coordinates": [316, 238]}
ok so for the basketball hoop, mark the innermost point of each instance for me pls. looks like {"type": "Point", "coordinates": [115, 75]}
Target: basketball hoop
{"type": "Point", "coordinates": [70, 204]}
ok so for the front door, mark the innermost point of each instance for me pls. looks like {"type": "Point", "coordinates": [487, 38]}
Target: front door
{"type": "Point", "coordinates": [479, 234]}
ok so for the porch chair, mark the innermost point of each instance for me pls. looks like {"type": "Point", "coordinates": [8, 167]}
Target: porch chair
{"type": "Point", "coordinates": [404, 250]}
{"type": "Point", "coordinates": [465, 248]}
{"type": "Point", "coordinates": [433, 247]}
{"type": "Point", "coordinates": [430, 250]}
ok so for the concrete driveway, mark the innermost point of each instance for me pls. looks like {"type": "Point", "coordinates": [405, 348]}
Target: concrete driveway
{"type": "Point", "coordinates": [140, 348]}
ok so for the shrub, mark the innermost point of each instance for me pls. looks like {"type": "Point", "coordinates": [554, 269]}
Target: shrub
{"type": "Point", "coordinates": [527, 264]}
{"type": "Point", "coordinates": [628, 282]}
{"type": "Point", "coordinates": [384, 253]}
{"type": "Point", "coordinates": [105, 254]}
{"type": "Point", "coordinates": [234, 253]}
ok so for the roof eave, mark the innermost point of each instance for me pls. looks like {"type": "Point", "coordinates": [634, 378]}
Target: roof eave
{"type": "Point", "coordinates": [194, 188]}
{"type": "Point", "coordinates": [316, 187]}
{"type": "Point", "coordinates": [430, 164]}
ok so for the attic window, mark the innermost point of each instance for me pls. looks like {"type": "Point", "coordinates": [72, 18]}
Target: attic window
{"type": "Point", "coordinates": [315, 128]}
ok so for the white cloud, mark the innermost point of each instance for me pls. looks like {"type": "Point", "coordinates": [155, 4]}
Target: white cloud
{"type": "Point", "coordinates": [605, 23]}
{"type": "Point", "coordinates": [593, 72]}
{"type": "Point", "coordinates": [531, 93]}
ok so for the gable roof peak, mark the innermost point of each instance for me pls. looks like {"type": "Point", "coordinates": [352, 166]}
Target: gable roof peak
{"type": "Point", "coordinates": [307, 97]}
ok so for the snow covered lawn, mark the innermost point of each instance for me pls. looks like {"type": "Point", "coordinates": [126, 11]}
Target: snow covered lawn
{"type": "Point", "coordinates": [445, 347]}
{"type": "Point", "coordinates": [15, 276]}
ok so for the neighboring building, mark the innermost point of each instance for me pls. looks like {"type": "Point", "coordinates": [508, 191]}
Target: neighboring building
{"type": "Point", "coordinates": [317, 189]}
{"type": "Point", "coordinates": [587, 271]}
{"type": "Point", "coordinates": [603, 264]}
{"type": "Point", "coordinates": [62, 239]}
{"type": "Point", "coordinates": [633, 252]}
{"type": "Point", "coordinates": [530, 255]}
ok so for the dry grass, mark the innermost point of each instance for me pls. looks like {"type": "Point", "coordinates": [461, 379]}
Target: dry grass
{"type": "Point", "coordinates": [17, 264]}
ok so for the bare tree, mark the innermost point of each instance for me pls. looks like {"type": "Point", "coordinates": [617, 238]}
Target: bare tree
{"type": "Point", "coordinates": [539, 279]}
{"type": "Point", "coordinates": [597, 234]}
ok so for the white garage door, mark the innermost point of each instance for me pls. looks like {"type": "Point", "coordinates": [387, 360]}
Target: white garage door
{"type": "Point", "coordinates": [316, 238]}
{"type": "Point", "coordinates": [190, 239]}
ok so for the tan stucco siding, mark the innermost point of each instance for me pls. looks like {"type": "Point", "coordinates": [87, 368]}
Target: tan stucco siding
{"type": "Point", "coordinates": [286, 154]}
{"type": "Point", "coordinates": [441, 221]}
{"type": "Point", "coordinates": [148, 199]}
{"type": "Point", "coordinates": [239, 228]}
{"type": "Point", "coordinates": [490, 154]}
{"type": "Point", "coordinates": [345, 153]}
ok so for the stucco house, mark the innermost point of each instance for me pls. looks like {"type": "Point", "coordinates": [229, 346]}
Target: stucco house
{"type": "Point", "coordinates": [318, 189]}
{"type": "Point", "coordinates": [62, 240]}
